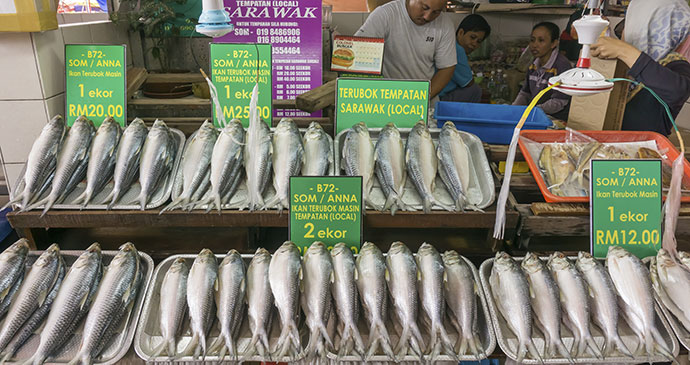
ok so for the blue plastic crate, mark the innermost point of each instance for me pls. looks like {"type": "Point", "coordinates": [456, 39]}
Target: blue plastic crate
{"type": "Point", "coordinates": [492, 123]}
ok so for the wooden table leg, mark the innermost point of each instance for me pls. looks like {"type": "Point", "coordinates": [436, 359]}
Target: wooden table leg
{"type": "Point", "coordinates": [29, 235]}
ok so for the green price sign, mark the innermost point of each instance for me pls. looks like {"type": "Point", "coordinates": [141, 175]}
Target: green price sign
{"type": "Point", "coordinates": [326, 209]}
{"type": "Point", "coordinates": [378, 102]}
{"type": "Point", "coordinates": [95, 82]}
{"type": "Point", "coordinates": [625, 205]}
{"type": "Point", "coordinates": [234, 68]}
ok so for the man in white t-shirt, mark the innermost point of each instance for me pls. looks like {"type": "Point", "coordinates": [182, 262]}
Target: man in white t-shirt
{"type": "Point", "coordinates": [419, 41]}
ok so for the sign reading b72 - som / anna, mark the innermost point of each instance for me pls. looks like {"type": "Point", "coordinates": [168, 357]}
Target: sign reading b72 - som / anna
{"type": "Point", "coordinates": [625, 203]}
{"type": "Point", "coordinates": [95, 82]}
{"type": "Point", "coordinates": [326, 209]}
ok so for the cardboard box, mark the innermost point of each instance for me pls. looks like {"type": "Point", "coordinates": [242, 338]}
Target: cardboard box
{"type": "Point", "coordinates": [601, 111]}
{"type": "Point", "coordinates": [28, 15]}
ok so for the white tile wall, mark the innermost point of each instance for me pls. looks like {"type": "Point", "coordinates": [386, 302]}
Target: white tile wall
{"type": "Point", "coordinates": [24, 120]}
{"type": "Point", "coordinates": [18, 70]}
{"type": "Point", "coordinates": [76, 34]}
{"type": "Point", "coordinates": [55, 105]}
{"type": "Point", "coordinates": [50, 51]}
{"type": "Point", "coordinates": [13, 171]}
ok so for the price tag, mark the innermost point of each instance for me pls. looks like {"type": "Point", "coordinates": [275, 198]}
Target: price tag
{"type": "Point", "coordinates": [380, 101]}
{"type": "Point", "coordinates": [625, 206]}
{"type": "Point", "coordinates": [326, 209]}
{"type": "Point", "coordinates": [95, 82]}
{"type": "Point", "coordinates": [234, 70]}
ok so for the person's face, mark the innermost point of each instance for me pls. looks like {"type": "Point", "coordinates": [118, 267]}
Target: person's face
{"type": "Point", "coordinates": [540, 43]}
{"type": "Point", "coordinates": [470, 40]}
{"type": "Point", "coordinates": [425, 11]}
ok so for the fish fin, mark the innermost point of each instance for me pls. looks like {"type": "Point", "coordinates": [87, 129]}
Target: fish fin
{"type": "Point", "coordinates": [191, 346]}
{"type": "Point", "coordinates": [477, 348]}
{"type": "Point", "coordinates": [660, 342]}
{"type": "Point", "coordinates": [387, 275]}
{"type": "Point", "coordinates": [42, 297]}
{"type": "Point", "coordinates": [158, 350]}
{"type": "Point", "coordinates": [592, 345]}
{"type": "Point", "coordinates": [82, 302]}
{"type": "Point", "coordinates": [533, 351]}
{"type": "Point", "coordinates": [562, 350]}
{"type": "Point", "coordinates": [617, 342]}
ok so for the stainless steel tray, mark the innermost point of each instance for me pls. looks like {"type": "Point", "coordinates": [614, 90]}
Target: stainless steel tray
{"type": "Point", "coordinates": [679, 330]}
{"type": "Point", "coordinates": [148, 334]}
{"type": "Point", "coordinates": [127, 202]}
{"type": "Point", "coordinates": [240, 196]}
{"type": "Point", "coordinates": [486, 333]}
{"type": "Point", "coordinates": [508, 342]}
{"type": "Point", "coordinates": [481, 187]}
{"type": "Point", "coordinates": [119, 346]}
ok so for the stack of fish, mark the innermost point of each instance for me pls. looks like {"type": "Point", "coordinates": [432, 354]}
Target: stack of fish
{"type": "Point", "coordinates": [62, 157]}
{"type": "Point", "coordinates": [210, 171]}
{"type": "Point", "coordinates": [577, 294]}
{"type": "Point", "coordinates": [59, 301]}
{"type": "Point", "coordinates": [671, 281]}
{"type": "Point", "coordinates": [420, 159]}
{"type": "Point", "coordinates": [438, 291]}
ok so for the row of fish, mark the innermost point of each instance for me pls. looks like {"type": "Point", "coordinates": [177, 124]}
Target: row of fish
{"type": "Point", "coordinates": [577, 294]}
{"type": "Point", "coordinates": [427, 288]}
{"type": "Point", "coordinates": [212, 163]}
{"type": "Point", "coordinates": [565, 166]}
{"type": "Point", "coordinates": [671, 280]}
{"type": "Point", "coordinates": [62, 157]}
{"type": "Point", "coordinates": [392, 161]}
{"type": "Point", "coordinates": [56, 297]}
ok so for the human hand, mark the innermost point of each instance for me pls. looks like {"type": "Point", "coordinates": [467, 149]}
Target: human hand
{"type": "Point", "coordinates": [610, 48]}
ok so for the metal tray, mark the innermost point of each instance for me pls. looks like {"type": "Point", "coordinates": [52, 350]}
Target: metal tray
{"type": "Point", "coordinates": [120, 344]}
{"type": "Point", "coordinates": [481, 178]}
{"type": "Point", "coordinates": [241, 195]}
{"type": "Point", "coordinates": [127, 202]}
{"type": "Point", "coordinates": [680, 331]}
{"type": "Point", "coordinates": [148, 334]}
{"type": "Point", "coordinates": [508, 342]}
{"type": "Point", "coordinates": [486, 333]}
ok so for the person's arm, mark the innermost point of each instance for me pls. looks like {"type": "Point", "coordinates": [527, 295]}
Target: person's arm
{"type": "Point", "coordinates": [553, 105]}
{"type": "Point", "coordinates": [439, 81]}
{"type": "Point", "coordinates": [671, 83]}
{"type": "Point", "coordinates": [522, 98]}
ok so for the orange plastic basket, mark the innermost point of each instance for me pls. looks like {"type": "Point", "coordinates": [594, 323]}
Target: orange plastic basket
{"type": "Point", "coordinates": [551, 136]}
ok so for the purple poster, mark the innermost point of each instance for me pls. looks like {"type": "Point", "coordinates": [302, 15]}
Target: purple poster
{"type": "Point", "coordinates": [293, 28]}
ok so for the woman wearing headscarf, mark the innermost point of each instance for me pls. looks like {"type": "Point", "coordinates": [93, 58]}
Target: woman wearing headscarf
{"type": "Point", "coordinates": [654, 34]}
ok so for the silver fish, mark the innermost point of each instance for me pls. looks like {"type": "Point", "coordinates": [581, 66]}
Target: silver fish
{"type": "Point", "coordinates": [195, 163]}
{"type": "Point", "coordinates": [230, 302]}
{"type": "Point", "coordinates": [575, 303]}
{"type": "Point", "coordinates": [672, 282]}
{"type": "Point", "coordinates": [371, 285]}
{"type": "Point", "coordinates": [604, 304]}
{"type": "Point", "coordinates": [173, 306]}
{"type": "Point", "coordinates": [546, 304]}
{"type": "Point", "coordinates": [401, 276]}
{"type": "Point", "coordinates": [454, 165]}
{"type": "Point", "coordinates": [430, 279]}
{"type": "Point", "coordinates": [633, 284]}
{"type": "Point", "coordinates": [257, 155]}
{"type": "Point", "coordinates": [390, 167]}
{"type": "Point", "coordinates": [127, 159]}
{"type": "Point", "coordinates": [41, 162]}
{"type": "Point", "coordinates": [288, 154]}
{"type": "Point", "coordinates": [102, 160]}
{"type": "Point", "coordinates": [156, 161]}
{"type": "Point", "coordinates": [510, 291]}
{"type": "Point", "coordinates": [71, 303]}
{"type": "Point", "coordinates": [226, 163]}
{"type": "Point", "coordinates": [114, 298]}
{"type": "Point", "coordinates": [422, 165]}
{"type": "Point", "coordinates": [200, 300]}
{"type": "Point", "coordinates": [318, 151]}
{"type": "Point", "coordinates": [346, 300]}
{"type": "Point", "coordinates": [684, 258]}
{"type": "Point", "coordinates": [12, 267]}
{"type": "Point", "coordinates": [259, 304]}
{"type": "Point", "coordinates": [71, 162]}
{"type": "Point", "coordinates": [284, 277]}
{"type": "Point", "coordinates": [316, 298]}
{"type": "Point", "coordinates": [44, 274]}
{"type": "Point", "coordinates": [461, 297]}
{"type": "Point", "coordinates": [358, 158]}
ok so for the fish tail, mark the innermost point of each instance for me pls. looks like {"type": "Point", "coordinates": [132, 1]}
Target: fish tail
{"type": "Point", "coordinates": [368, 202]}
{"type": "Point", "coordinates": [191, 346]}
{"type": "Point", "coordinates": [378, 335]}
{"type": "Point", "coordinates": [175, 204]}
{"type": "Point", "coordinates": [142, 200]}
{"type": "Point", "coordinates": [403, 344]}
{"type": "Point", "coordinates": [476, 346]}
{"type": "Point", "coordinates": [219, 345]}
{"type": "Point", "coordinates": [426, 204]}
{"type": "Point", "coordinates": [274, 201]}
{"type": "Point", "coordinates": [660, 343]}
{"type": "Point", "coordinates": [158, 350]}
{"type": "Point", "coordinates": [447, 344]}
{"type": "Point", "coordinates": [251, 348]}
{"type": "Point", "coordinates": [558, 344]}
{"type": "Point", "coordinates": [216, 199]}
{"type": "Point", "coordinates": [352, 340]}
{"type": "Point", "coordinates": [616, 342]}
{"type": "Point", "coordinates": [592, 345]}
{"type": "Point", "coordinates": [82, 198]}
{"type": "Point", "coordinates": [648, 342]}
{"type": "Point", "coordinates": [286, 340]}
{"type": "Point", "coordinates": [49, 204]}
{"type": "Point", "coordinates": [111, 197]}
{"type": "Point", "coordinates": [529, 346]}
{"type": "Point", "coordinates": [16, 199]}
